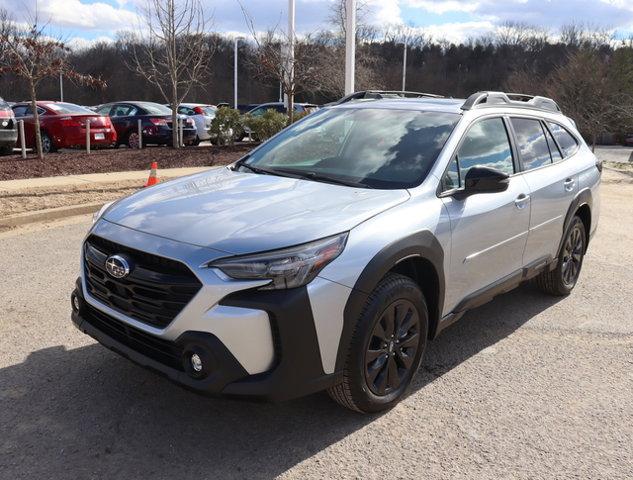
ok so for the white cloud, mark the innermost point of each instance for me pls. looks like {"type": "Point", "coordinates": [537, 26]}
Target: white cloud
{"type": "Point", "coordinates": [385, 12]}
{"type": "Point", "coordinates": [74, 13]}
{"type": "Point", "coordinates": [459, 31]}
{"type": "Point", "coordinates": [79, 43]}
{"type": "Point", "coordinates": [443, 6]}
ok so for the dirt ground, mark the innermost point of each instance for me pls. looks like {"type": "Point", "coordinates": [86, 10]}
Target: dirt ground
{"type": "Point", "coordinates": [118, 160]}
{"type": "Point", "coordinates": [12, 203]}
{"type": "Point", "coordinates": [525, 387]}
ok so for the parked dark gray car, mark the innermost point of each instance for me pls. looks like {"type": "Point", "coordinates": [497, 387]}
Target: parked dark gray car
{"type": "Point", "coordinates": [8, 128]}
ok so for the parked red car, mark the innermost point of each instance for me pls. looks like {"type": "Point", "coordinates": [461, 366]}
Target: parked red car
{"type": "Point", "coordinates": [63, 125]}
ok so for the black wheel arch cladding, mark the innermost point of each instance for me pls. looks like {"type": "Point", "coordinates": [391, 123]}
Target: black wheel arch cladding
{"type": "Point", "coordinates": [423, 245]}
{"type": "Point", "coordinates": [582, 199]}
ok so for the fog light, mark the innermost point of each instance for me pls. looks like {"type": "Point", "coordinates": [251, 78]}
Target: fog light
{"type": "Point", "coordinates": [75, 301]}
{"type": "Point", "coordinates": [196, 362]}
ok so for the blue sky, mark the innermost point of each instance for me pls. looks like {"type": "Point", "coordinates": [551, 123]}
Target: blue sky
{"type": "Point", "coordinates": [82, 21]}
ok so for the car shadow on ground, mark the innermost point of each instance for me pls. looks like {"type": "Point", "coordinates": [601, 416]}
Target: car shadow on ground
{"type": "Point", "coordinates": [88, 413]}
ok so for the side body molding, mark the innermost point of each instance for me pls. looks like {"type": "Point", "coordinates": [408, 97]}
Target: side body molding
{"type": "Point", "coordinates": [422, 245]}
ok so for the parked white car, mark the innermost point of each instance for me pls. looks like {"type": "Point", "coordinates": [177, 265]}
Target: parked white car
{"type": "Point", "coordinates": [202, 115]}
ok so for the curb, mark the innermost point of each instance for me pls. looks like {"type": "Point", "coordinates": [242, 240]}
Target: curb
{"type": "Point", "coordinates": [48, 214]}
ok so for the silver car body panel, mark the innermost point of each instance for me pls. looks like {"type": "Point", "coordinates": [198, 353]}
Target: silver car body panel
{"type": "Point", "coordinates": [222, 212]}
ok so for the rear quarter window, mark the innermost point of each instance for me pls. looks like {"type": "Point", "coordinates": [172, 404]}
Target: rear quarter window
{"type": "Point", "coordinates": [531, 142]}
{"type": "Point", "coordinates": [566, 140]}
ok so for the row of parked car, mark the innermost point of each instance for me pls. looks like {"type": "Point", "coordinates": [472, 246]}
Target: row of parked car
{"type": "Point", "coordinates": [63, 124]}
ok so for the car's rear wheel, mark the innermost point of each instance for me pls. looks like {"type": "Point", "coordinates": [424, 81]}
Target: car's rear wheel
{"type": "Point", "coordinates": [386, 347]}
{"type": "Point", "coordinates": [47, 143]}
{"type": "Point", "coordinates": [563, 279]}
{"type": "Point", "coordinates": [133, 140]}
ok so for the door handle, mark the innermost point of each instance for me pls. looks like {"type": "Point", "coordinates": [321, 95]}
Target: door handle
{"type": "Point", "coordinates": [569, 184]}
{"type": "Point", "coordinates": [521, 201]}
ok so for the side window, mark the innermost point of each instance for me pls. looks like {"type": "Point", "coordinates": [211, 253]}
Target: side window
{"type": "Point", "coordinates": [123, 110]}
{"type": "Point", "coordinates": [20, 110]}
{"type": "Point", "coordinates": [486, 144]}
{"type": "Point", "coordinates": [104, 110]}
{"type": "Point", "coordinates": [451, 177]}
{"type": "Point", "coordinates": [532, 144]}
{"type": "Point", "coordinates": [566, 141]}
{"type": "Point", "coordinates": [553, 148]}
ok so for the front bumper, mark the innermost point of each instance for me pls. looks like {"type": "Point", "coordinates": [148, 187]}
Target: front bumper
{"type": "Point", "coordinates": [8, 137]}
{"type": "Point", "coordinates": [296, 371]}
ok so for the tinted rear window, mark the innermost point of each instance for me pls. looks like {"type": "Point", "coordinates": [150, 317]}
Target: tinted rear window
{"type": "Point", "coordinates": [565, 139]}
{"type": "Point", "coordinates": [68, 108]}
{"type": "Point", "coordinates": [532, 145]}
{"type": "Point", "coordinates": [154, 108]}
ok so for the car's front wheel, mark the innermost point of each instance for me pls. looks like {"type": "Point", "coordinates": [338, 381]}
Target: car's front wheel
{"type": "Point", "coordinates": [386, 347]}
{"type": "Point", "coordinates": [564, 277]}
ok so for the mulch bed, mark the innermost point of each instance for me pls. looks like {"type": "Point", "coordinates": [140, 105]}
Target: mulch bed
{"type": "Point", "coordinates": [71, 162]}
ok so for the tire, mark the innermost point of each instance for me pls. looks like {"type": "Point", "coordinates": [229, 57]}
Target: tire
{"type": "Point", "coordinates": [47, 144]}
{"type": "Point", "coordinates": [562, 280]}
{"type": "Point", "coordinates": [6, 150]}
{"type": "Point", "coordinates": [132, 140]}
{"type": "Point", "coordinates": [379, 368]}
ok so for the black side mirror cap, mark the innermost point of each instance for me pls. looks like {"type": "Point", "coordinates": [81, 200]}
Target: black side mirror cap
{"type": "Point", "coordinates": [484, 180]}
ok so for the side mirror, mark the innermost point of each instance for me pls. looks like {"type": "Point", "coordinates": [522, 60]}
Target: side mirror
{"type": "Point", "coordinates": [485, 180]}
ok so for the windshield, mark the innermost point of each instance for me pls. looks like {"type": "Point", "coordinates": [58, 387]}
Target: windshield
{"type": "Point", "coordinates": [374, 148]}
{"type": "Point", "coordinates": [67, 108]}
{"type": "Point", "coordinates": [154, 108]}
{"type": "Point", "coordinates": [209, 110]}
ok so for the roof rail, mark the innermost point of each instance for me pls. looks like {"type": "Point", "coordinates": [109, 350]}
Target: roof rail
{"type": "Point", "coordinates": [379, 94]}
{"type": "Point", "coordinates": [519, 100]}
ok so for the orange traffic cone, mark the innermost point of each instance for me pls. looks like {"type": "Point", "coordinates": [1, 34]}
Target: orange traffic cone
{"type": "Point", "coordinates": [153, 176]}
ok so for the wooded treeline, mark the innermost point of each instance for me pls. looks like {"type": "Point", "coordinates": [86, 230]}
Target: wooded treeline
{"type": "Point", "coordinates": [576, 64]}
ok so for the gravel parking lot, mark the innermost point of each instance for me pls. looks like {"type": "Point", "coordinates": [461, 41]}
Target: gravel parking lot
{"type": "Point", "coordinates": [527, 386]}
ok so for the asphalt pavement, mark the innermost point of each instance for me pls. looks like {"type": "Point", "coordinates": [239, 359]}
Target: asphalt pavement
{"type": "Point", "coordinates": [527, 386]}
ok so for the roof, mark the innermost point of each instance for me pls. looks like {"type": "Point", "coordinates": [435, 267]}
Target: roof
{"type": "Point", "coordinates": [196, 105]}
{"type": "Point", "coordinates": [447, 105]}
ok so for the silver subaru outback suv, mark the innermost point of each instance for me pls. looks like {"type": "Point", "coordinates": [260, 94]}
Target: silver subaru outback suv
{"type": "Point", "coordinates": [327, 257]}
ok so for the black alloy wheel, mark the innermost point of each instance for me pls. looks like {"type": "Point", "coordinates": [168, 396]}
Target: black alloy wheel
{"type": "Point", "coordinates": [392, 347]}
{"type": "Point", "coordinates": [573, 251]}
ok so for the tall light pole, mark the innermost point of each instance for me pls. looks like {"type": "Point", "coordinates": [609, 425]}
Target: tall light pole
{"type": "Point", "coordinates": [61, 87]}
{"type": "Point", "coordinates": [290, 67]}
{"type": "Point", "coordinates": [350, 45]}
{"type": "Point", "coordinates": [237, 39]}
{"type": "Point", "coordinates": [404, 65]}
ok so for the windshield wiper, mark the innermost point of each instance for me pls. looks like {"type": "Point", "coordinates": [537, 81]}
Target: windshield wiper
{"type": "Point", "coordinates": [319, 177]}
{"type": "Point", "coordinates": [262, 171]}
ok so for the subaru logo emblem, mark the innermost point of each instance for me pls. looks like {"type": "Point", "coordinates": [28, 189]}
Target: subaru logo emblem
{"type": "Point", "coordinates": [117, 266]}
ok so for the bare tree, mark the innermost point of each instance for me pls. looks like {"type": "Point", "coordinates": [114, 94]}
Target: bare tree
{"type": "Point", "coordinates": [589, 92]}
{"type": "Point", "coordinates": [582, 35]}
{"type": "Point", "coordinates": [271, 62]}
{"type": "Point", "coordinates": [331, 54]}
{"type": "Point", "coordinates": [172, 51]}
{"type": "Point", "coordinates": [33, 56]}
{"type": "Point", "coordinates": [523, 35]}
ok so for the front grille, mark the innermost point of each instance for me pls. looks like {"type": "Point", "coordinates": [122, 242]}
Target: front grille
{"type": "Point", "coordinates": [155, 291]}
{"type": "Point", "coordinates": [163, 351]}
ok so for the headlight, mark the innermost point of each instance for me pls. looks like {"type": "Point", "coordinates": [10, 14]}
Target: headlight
{"type": "Point", "coordinates": [97, 215]}
{"type": "Point", "coordinates": [287, 268]}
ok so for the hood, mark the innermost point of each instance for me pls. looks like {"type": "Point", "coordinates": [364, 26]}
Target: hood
{"type": "Point", "coordinates": [240, 213]}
